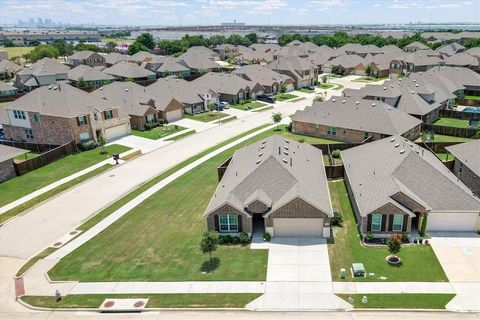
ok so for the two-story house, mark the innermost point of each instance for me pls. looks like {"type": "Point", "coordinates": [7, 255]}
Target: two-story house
{"type": "Point", "coordinates": [44, 72]}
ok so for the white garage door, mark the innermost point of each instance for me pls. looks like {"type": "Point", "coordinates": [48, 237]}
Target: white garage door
{"type": "Point", "coordinates": [115, 132]}
{"type": "Point", "coordinates": [174, 115]}
{"type": "Point", "coordinates": [298, 227]}
{"type": "Point", "coordinates": [455, 221]}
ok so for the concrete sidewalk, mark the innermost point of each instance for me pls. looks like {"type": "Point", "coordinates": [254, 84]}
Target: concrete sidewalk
{"type": "Point", "coordinates": [58, 183]}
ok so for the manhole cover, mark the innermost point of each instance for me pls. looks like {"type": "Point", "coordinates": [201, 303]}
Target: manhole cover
{"type": "Point", "coordinates": [56, 244]}
{"type": "Point", "coordinates": [109, 304]}
{"type": "Point", "coordinates": [139, 304]}
{"type": "Point", "coordinates": [73, 233]}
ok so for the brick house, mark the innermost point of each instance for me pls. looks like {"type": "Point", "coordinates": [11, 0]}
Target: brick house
{"type": "Point", "coordinates": [467, 164]}
{"type": "Point", "coordinates": [61, 113]}
{"type": "Point", "coordinates": [44, 72]}
{"type": "Point", "coordinates": [86, 57]}
{"type": "Point", "coordinates": [7, 156]}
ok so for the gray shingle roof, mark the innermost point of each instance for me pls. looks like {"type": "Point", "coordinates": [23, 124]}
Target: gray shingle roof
{"type": "Point", "coordinates": [262, 75]}
{"type": "Point", "coordinates": [9, 66]}
{"type": "Point", "coordinates": [468, 153]}
{"type": "Point", "coordinates": [182, 90]}
{"type": "Point", "coordinates": [128, 70]}
{"type": "Point", "coordinates": [367, 115]}
{"type": "Point", "coordinates": [462, 59]}
{"type": "Point", "coordinates": [82, 55]}
{"type": "Point", "coordinates": [379, 169]}
{"type": "Point", "coordinates": [258, 171]}
{"type": "Point", "coordinates": [223, 83]}
{"type": "Point", "coordinates": [450, 49]}
{"type": "Point", "coordinates": [45, 67]}
{"type": "Point", "coordinates": [418, 45]}
{"type": "Point", "coordinates": [88, 73]}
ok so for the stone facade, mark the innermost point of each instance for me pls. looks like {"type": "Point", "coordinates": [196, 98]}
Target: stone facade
{"type": "Point", "coordinates": [467, 176]}
{"type": "Point", "coordinates": [7, 170]}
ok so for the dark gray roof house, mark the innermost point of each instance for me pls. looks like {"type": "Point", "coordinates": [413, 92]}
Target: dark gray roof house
{"type": "Point", "coordinates": [91, 76]}
{"type": "Point", "coordinates": [301, 70]}
{"type": "Point", "coordinates": [124, 70]}
{"type": "Point", "coordinates": [8, 68]}
{"type": "Point", "coordinates": [41, 73]}
{"type": "Point", "coordinates": [86, 57]}
{"type": "Point", "coordinates": [394, 184]}
{"type": "Point", "coordinates": [267, 78]}
{"type": "Point", "coordinates": [275, 185]}
{"type": "Point", "coordinates": [467, 164]}
{"type": "Point", "coordinates": [451, 49]}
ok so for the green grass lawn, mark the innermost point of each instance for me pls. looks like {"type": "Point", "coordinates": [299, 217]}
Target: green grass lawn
{"type": "Point", "coordinates": [26, 156]}
{"type": "Point", "coordinates": [158, 132]}
{"type": "Point", "coordinates": [400, 300]}
{"type": "Point", "coordinates": [443, 156]}
{"type": "Point", "coordinates": [419, 262]}
{"type": "Point", "coordinates": [122, 40]}
{"type": "Point", "coordinates": [16, 51]}
{"type": "Point", "coordinates": [305, 90]}
{"type": "Point", "coordinates": [472, 97]}
{"type": "Point", "coordinates": [20, 186]}
{"type": "Point", "coordinates": [451, 122]}
{"type": "Point", "coordinates": [327, 85]}
{"type": "Point", "coordinates": [443, 138]}
{"type": "Point", "coordinates": [200, 300]}
{"type": "Point", "coordinates": [369, 79]}
{"type": "Point", "coordinates": [207, 116]}
{"type": "Point", "coordinates": [248, 106]}
{"type": "Point", "coordinates": [285, 96]}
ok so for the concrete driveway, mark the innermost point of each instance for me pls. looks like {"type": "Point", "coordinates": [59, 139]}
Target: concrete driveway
{"type": "Point", "coordinates": [298, 277]}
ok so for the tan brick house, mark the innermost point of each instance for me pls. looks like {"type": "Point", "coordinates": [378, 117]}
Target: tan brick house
{"type": "Point", "coordinates": [275, 185]}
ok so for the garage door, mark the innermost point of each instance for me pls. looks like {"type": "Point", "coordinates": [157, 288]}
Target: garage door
{"type": "Point", "coordinates": [174, 115]}
{"type": "Point", "coordinates": [115, 132]}
{"type": "Point", "coordinates": [298, 227]}
{"type": "Point", "coordinates": [452, 221]}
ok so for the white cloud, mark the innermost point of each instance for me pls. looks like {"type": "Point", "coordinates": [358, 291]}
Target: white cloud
{"type": "Point", "coordinates": [322, 5]}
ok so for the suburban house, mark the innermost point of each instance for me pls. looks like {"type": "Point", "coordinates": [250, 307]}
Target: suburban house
{"type": "Point", "coordinates": [415, 46]}
{"type": "Point", "coordinates": [463, 60]}
{"type": "Point", "coordinates": [140, 104]}
{"type": "Point", "coordinates": [195, 98]}
{"type": "Point", "coordinates": [83, 76]}
{"type": "Point", "coordinates": [8, 69]}
{"type": "Point", "coordinates": [198, 63]}
{"type": "Point", "coordinates": [229, 87]}
{"type": "Point", "coordinates": [44, 72]}
{"type": "Point", "coordinates": [7, 90]}
{"type": "Point", "coordinates": [467, 164]}
{"type": "Point", "coordinates": [115, 57]}
{"type": "Point", "coordinates": [254, 57]}
{"type": "Point", "coordinates": [86, 57]}
{"type": "Point", "coordinates": [270, 80]}
{"type": "Point", "coordinates": [450, 49]}
{"type": "Point", "coordinates": [203, 51]}
{"type": "Point", "coordinates": [165, 66]}
{"type": "Point", "coordinates": [226, 51]}
{"type": "Point", "coordinates": [7, 156]}
{"type": "Point", "coordinates": [277, 186]}
{"type": "Point", "coordinates": [419, 61]}
{"type": "Point", "coordinates": [129, 71]}
{"type": "Point", "coordinates": [346, 64]}
{"type": "Point", "coordinates": [60, 113]}
{"type": "Point", "coordinates": [303, 72]}
{"type": "Point", "coordinates": [393, 184]}
{"type": "Point", "coordinates": [354, 120]}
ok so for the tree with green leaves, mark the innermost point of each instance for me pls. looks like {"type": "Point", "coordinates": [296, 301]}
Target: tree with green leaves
{"type": "Point", "coordinates": [41, 52]}
{"type": "Point", "coordinates": [252, 37]}
{"type": "Point", "coordinates": [368, 70]}
{"type": "Point", "coordinates": [209, 243]}
{"type": "Point", "coordinates": [147, 40]}
{"type": "Point", "coordinates": [81, 83]}
{"type": "Point", "coordinates": [101, 143]}
{"type": "Point", "coordinates": [136, 47]}
{"type": "Point", "coordinates": [64, 49]}
{"type": "Point", "coordinates": [283, 88]}
{"type": "Point", "coordinates": [324, 78]}
{"type": "Point", "coordinates": [8, 43]}
{"type": "Point", "coordinates": [277, 118]}
{"type": "Point", "coordinates": [394, 243]}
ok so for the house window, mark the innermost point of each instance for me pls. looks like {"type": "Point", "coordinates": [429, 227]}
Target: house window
{"type": "Point", "coordinates": [19, 114]}
{"type": "Point", "coordinates": [397, 222]}
{"type": "Point", "coordinates": [36, 118]}
{"type": "Point", "coordinates": [84, 136]}
{"type": "Point", "coordinates": [317, 127]}
{"type": "Point", "coordinates": [376, 222]}
{"type": "Point", "coordinates": [95, 116]}
{"type": "Point", "coordinates": [150, 118]}
{"type": "Point", "coordinates": [81, 121]}
{"type": "Point", "coordinates": [366, 135]}
{"type": "Point", "coordinates": [228, 222]}
{"type": "Point", "coordinates": [29, 133]}
{"type": "Point", "coordinates": [332, 131]}
{"type": "Point", "coordinates": [108, 114]}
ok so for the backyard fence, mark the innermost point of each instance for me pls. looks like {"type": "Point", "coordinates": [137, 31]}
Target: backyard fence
{"type": "Point", "coordinates": [458, 115]}
{"type": "Point", "coordinates": [45, 158]}
{"type": "Point", "coordinates": [450, 131]}
{"type": "Point", "coordinates": [335, 172]}
{"type": "Point", "coordinates": [35, 147]}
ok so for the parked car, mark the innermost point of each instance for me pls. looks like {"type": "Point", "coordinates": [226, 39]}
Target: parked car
{"type": "Point", "coordinates": [310, 87]}
{"type": "Point", "coordinates": [224, 105]}
{"type": "Point", "coordinates": [267, 98]}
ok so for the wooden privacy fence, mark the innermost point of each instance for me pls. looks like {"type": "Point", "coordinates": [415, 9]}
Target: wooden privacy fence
{"type": "Point", "coordinates": [335, 172]}
{"type": "Point", "coordinates": [45, 158]}
{"type": "Point", "coordinates": [450, 131]}
{"type": "Point", "coordinates": [36, 147]}
{"type": "Point", "coordinates": [458, 115]}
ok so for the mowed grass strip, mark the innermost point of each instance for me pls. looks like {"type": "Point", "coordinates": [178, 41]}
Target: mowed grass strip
{"type": "Point", "coordinates": [400, 300]}
{"type": "Point", "coordinates": [207, 116]}
{"type": "Point", "coordinates": [18, 187]}
{"type": "Point", "coordinates": [158, 132]}
{"type": "Point", "coordinates": [199, 300]}
{"type": "Point", "coordinates": [419, 262]}
{"type": "Point", "coordinates": [451, 122]}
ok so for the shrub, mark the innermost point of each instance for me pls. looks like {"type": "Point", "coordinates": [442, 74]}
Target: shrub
{"type": "Point", "coordinates": [87, 145]}
{"type": "Point", "coordinates": [337, 218]}
{"type": "Point", "coordinates": [394, 243]}
{"type": "Point", "coordinates": [423, 226]}
{"type": "Point", "coordinates": [336, 154]}
{"type": "Point", "coordinates": [369, 236]}
{"type": "Point", "coordinates": [235, 240]}
{"type": "Point", "coordinates": [244, 238]}
{"type": "Point", "coordinates": [289, 127]}
{"type": "Point", "coordinates": [267, 236]}
{"type": "Point", "coordinates": [242, 101]}
{"type": "Point", "coordinates": [324, 79]}
{"type": "Point", "coordinates": [301, 140]}
{"type": "Point", "coordinates": [226, 240]}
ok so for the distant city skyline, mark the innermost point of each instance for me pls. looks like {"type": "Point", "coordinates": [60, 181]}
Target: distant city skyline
{"type": "Point", "coordinates": [260, 12]}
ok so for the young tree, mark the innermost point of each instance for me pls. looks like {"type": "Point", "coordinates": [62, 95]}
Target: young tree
{"type": "Point", "coordinates": [283, 88]}
{"type": "Point", "coordinates": [368, 70]}
{"type": "Point", "coordinates": [324, 78]}
{"type": "Point", "coordinates": [394, 243]}
{"type": "Point", "coordinates": [277, 118]}
{"type": "Point", "coordinates": [102, 142]}
{"type": "Point", "coordinates": [209, 243]}
{"type": "Point", "coordinates": [81, 83]}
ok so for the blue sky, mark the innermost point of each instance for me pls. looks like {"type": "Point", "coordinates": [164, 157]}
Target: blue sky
{"type": "Point", "coordinates": [202, 12]}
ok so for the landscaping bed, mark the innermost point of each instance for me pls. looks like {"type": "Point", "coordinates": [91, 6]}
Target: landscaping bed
{"type": "Point", "coordinates": [400, 300]}
{"type": "Point", "coordinates": [419, 262]}
{"type": "Point", "coordinates": [207, 116]}
{"type": "Point", "coordinates": [198, 300]}
{"type": "Point", "coordinates": [158, 132]}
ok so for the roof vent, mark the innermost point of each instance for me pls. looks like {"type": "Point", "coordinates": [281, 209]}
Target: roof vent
{"type": "Point", "coordinates": [357, 102]}
{"type": "Point", "coordinates": [333, 100]}
{"type": "Point", "coordinates": [284, 160]}
{"type": "Point", "coordinates": [285, 147]}
{"type": "Point", "coordinates": [384, 88]}
{"type": "Point", "coordinates": [260, 154]}
{"type": "Point", "coordinates": [101, 88]}
{"type": "Point", "coordinates": [393, 139]}
{"type": "Point", "coordinates": [285, 152]}
{"type": "Point", "coordinates": [413, 92]}
{"type": "Point", "coordinates": [389, 108]}
{"type": "Point", "coordinates": [416, 84]}
{"type": "Point", "coordinates": [397, 145]}
{"type": "Point", "coordinates": [414, 80]}
{"type": "Point", "coordinates": [456, 68]}
{"type": "Point", "coordinates": [402, 151]}
{"type": "Point", "coordinates": [420, 73]}
{"type": "Point", "coordinates": [287, 141]}
{"type": "Point", "coordinates": [373, 104]}
{"type": "Point", "coordinates": [126, 90]}
{"type": "Point", "coordinates": [259, 160]}
{"type": "Point", "coordinates": [343, 101]}
{"type": "Point", "coordinates": [49, 87]}
{"type": "Point", "coordinates": [263, 142]}
{"type": "Point", "coordinates": [391, 86]}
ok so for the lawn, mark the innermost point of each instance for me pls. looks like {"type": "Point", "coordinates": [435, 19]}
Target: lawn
{"type": "Point", "coordinates": [285, 96]}
{"type": "Point", "coordinates": [472, 97]}
{"type": "Point", "coordinates": [443, 156]}
{"type": "Point", "coordinates": [443, 138]}
{"type": "Point", "coordinates": [419, 262]}
{"type": "Point", "coordinates": [26, 156]}
{"type": "Point", "coordinates": [369, 79]}
{"type": "Point", "coordinates": [327, 85]}
{"type": "Point", "coordinates": [248, 106]}
{"type": "Point", "coordinates": [207, 116]}
{"type": "Point", "coordinates": [451, 122]}
{"type": "Point", "coordinates": [16, 51]}
{"type": "Point", "coordinates": [158, 132]}
{"type": "Point", "coordinates": [199, 300]}
{"type": "Point", "coordinates": [305, 90]}
{"type": "Point", "coordinates": [400, 300]}
{"type": "Point", "coordinates": [18, 187]}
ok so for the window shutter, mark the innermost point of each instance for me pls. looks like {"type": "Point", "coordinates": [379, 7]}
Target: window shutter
{"type": "Point", "coordinates": [85, 120]}
{"type": "Point", "coordinates": [369, 222]}
{"type": "Point", "coordinates": [240, 226]}
{"type": "Point", "coordinates": [384, 222]}
{"type": "Point", "coordinates": [405, 222]}
{"type": "Point", "coordinates": [390, 222]}
{"type": "Point", "coordinates": [217, 224]}
{"type": "Point", "coordinates": [78, 122]}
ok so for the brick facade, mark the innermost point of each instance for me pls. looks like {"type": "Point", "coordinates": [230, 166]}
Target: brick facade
{"type": "Point", "coordinates": [245, 222]}
{"type": "Point", "coordinates": [467, 176]}
{"type": "Point", "coordinates": [297, 208]}
{"type": "Point", "coordinates": [7, 170]}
